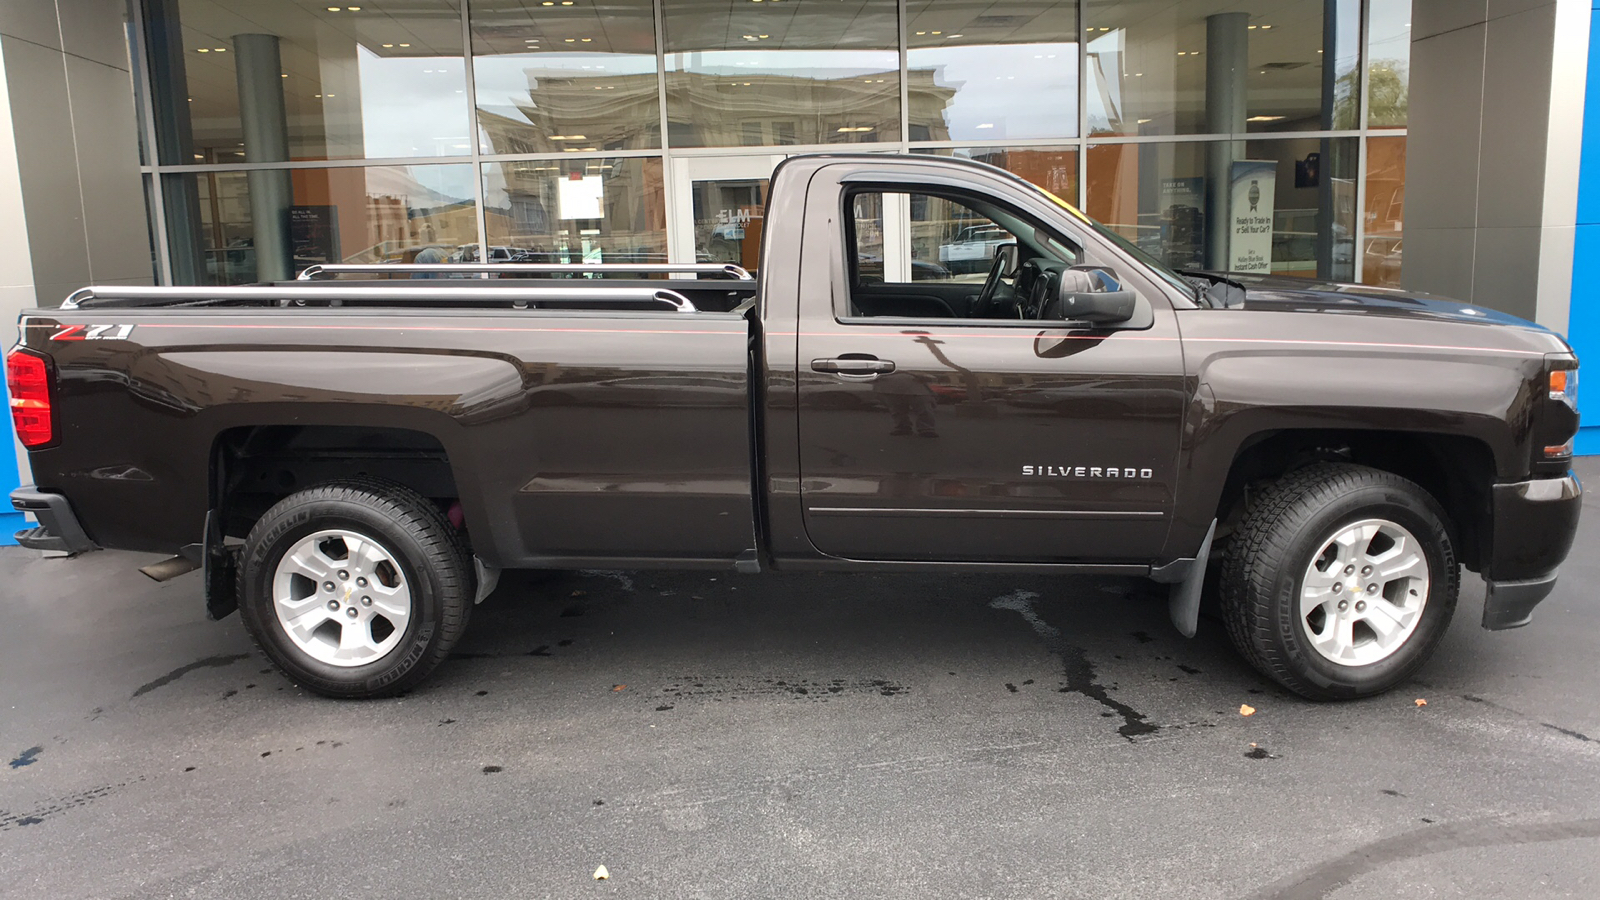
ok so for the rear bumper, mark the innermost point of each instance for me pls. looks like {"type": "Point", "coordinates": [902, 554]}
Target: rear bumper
{"type": "Point", "coordinates": [1534, 526]}
{"type": "Point", "coordinates": [58, 527]}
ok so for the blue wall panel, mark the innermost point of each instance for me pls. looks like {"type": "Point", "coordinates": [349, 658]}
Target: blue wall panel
{"type": "Point", "coordinates": [1583, 329]}
{"type": "Point", "coordinates": [10, 522]}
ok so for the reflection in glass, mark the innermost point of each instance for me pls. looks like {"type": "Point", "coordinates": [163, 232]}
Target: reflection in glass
{"type": "Point", "coordinates": [728, 218]}
{"type": "Point", "coordinates": [1385, 212]}
{"type": "Point", "coordinates": [784, 72]}
{"type": "Point", "coordinates": [377, 214]}
{"type": "Point", "coordinates": [342, 83]}
{"type": "Point", "coordinates": [1184, 68]}
{"type": "Point", "coordinates": [1053, 168]}
{"type": "Point", "coordinates": [1158, 197]}
{"type": "Point", "coordinates": [1389, 63]}
{"type": "Point", "coordinates": [982, 72]}
{"type": "Point", "coordinates": [576, 211]}
{"type": "Point", "coordinates": [556, 77]}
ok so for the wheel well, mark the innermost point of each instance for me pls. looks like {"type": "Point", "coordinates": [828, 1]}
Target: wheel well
{"type": "Point", "coordinates": [1456, 471]}
{"type": "Point", "coordinates": [255, 467]}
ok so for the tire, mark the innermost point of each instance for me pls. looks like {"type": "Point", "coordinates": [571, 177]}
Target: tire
{"type": "Point", "coordinates": [403, 585]}
{"type": "Point", "coordinates": [1289, 565]}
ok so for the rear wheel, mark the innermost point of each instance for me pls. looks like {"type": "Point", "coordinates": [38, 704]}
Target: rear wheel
{"type": "Point", "coordinates": [355, 589]}
{"type": "Point", "coordinates": [1340, 581]}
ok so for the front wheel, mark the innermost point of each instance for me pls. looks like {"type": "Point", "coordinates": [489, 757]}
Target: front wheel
{"type": "Point", "coordinates": [355, 589]}
{"type": "Point", "coordinates": [1340, 581]}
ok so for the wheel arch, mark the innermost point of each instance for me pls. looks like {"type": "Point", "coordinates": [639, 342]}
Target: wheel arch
{"type": "Point", "coordinates": [1456, 470]}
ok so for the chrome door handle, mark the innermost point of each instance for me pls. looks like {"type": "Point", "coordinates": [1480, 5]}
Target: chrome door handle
{"type": "Point", "coordinates": [853, 365]}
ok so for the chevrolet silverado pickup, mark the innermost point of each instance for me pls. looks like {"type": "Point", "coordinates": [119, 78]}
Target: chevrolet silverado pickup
{"type": "Point", "coordinates": [354, 456]}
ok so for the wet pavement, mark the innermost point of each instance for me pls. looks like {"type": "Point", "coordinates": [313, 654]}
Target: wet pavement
{"type": "Point", "coordinates": [726, 736]}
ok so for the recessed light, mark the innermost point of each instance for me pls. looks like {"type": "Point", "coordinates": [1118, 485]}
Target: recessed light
{"type": "Point", "coordinates": [284, 75]}
{"type": "Point", "coordinates": [568, 137]}
{"type": "Point", "coordinates": [353, 8]}
{"type": "Point", "coordinates": [938, 32]}
{"type": "Point", "coordinates": [762, 36]}
{"type": "Point", "coordinates": [1265, 119]}
{"type": "Point", "coordinates": [921, 33]}
{"type": "Point", "coordinates": [199, 156]}
{"type": "Point", "coordinates": [330, 95]}
{"type": "Point", "coordinates": [587, 40]}
{"type": "Point", "coordinates": [219, 50]}
{"type": "Point", "coordinates": [204, 50]}
{"type": "Point", "coordinates": [388, 45]}
{"type": "Point", "coordinates": [1266, 27]}
{"type": "Point", "coordinates": [1254, 27]}
{"type": "Point", "coordinates": [572, 40]}
{"type": "Point", "coordinates": [333, 9]}
{"type": "Point", "coordinates": [318, 96]}
{"type": "Point", "coordinates": [405, 45]}
{"type": "Point", "coordinates": [951, 37]}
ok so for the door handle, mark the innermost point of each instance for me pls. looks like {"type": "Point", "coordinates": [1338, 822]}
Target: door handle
{"type": "Point", "coordinates": [853, 365]}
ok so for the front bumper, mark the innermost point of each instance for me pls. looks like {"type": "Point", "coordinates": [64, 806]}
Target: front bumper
{"type": "Point", "coordinates": [58, 527]}
{"type": "Point", "coordinates": [1534, 525]}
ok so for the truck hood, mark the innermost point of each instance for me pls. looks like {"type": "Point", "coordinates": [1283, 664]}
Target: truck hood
{"type": "Point", "coordinates": [1282, 294]}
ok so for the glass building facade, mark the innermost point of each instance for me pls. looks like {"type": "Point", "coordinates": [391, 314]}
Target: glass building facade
{"type": "Point", "coordinates": [280, 133]}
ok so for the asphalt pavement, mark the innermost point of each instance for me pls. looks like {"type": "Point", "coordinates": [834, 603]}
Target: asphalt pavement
{"type": "Point", "coordinates": [786, 736]}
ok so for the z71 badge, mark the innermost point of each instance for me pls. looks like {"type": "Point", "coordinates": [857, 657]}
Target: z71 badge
{"type": "Point", "coordinates": [111, 332]}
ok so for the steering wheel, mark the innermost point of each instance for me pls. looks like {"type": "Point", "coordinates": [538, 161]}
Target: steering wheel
{"type": "Point", "coordinates": [991, 285]}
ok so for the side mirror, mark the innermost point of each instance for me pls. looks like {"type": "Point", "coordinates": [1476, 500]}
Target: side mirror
{"type": "Point", "coordinates": [1093, 294]}
{"type": "Point", "coordinates": [1010, 259]}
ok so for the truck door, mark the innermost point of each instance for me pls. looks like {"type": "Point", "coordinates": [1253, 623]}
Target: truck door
{"type": "Point", "coordinates": [941, 419]}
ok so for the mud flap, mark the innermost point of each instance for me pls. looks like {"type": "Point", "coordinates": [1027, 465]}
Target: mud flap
{"type": "Point", "coordinates": [1183, 605]}
{"type": "Point", "coordinates": [221, 570]}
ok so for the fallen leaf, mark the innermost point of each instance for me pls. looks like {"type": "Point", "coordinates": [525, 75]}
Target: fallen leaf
{"type": "Point", "coordinates": [1246, 709]}
{"type": "Point", "coordinates": [617, 687]}
{"type": "Point", "coordinates": [1421, 702]}
{"type": "Point", "coordinates": [601, 874]}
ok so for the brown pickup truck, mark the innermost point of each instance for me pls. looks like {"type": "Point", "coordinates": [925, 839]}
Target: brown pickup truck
{"type": "Point", "coordinates": [354, 456]}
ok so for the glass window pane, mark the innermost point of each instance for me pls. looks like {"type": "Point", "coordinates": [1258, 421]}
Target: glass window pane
{"type": "Point", "coordinates": [577, 210]}
{"type": "Point", "coordinates": [217, 220]}
{"type": "Point", "coordinates": [1158, 67]}
{"type": "Point", "coordinates": [729, 214]}
{"type": "Point", "coordinates": [782, 72]}
{"type": "Point", "coordinates": [976, 71]}
{"type": "Point", "coordinates": [1053, 168]}
{"type": "Point", "coordinates": [553, 76]}
{"type": "Point", "coordinates": [1287, 207]}
{"type": "Point", "coordinates": [353, 83]}
{"type": "Point", "coordinates": [1386, 208]}
{"type": "Point", "coordinates": [1389, 66]}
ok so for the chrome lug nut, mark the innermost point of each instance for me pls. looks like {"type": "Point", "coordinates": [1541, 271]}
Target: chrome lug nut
{"type": "Point", "coordinates": [366, 601]}
{"type": "Point", "coordinates": [351, 612]}
{"type": "Point", "coordinates": [1372, 588]}
{"type": "Point", "coordinates": [1361, 606]}
{"type": "Point", "coordinates": [343, 575]}
{"type": "Point", "coordinates": [1366, 570]}
{"type": "Point", "coordinates": [327, 585]}
{"type": "Point", "coordinates": [1343, 604]}
{"type": "Point", "coordinates": [1337, 587]}
{"type": "Point", "coordinates": [1349, 570]}
{"type": "Point", "coordinates": [333, 604]}
{"type": "Point", "coordinates": [361, 582]}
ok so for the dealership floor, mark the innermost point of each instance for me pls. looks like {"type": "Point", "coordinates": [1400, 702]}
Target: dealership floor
{"type": "Point", "coordinates": [724, 736]}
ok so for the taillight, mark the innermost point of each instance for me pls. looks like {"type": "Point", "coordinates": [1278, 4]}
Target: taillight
{"type": "Point", "coordinates": [28, 380]}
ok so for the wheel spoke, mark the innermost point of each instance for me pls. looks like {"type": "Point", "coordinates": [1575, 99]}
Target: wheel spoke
{"type": "Point", "coordinates": [307, 560]}
{"type": "Point", "coordinates": [394, 603]}
{"type": "Point", "coordinates": [354, 636]}
{"type": "Point", "coordinates": [304, 622]}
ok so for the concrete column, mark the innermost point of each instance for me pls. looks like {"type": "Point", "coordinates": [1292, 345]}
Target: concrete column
{"type": "Point", "coordinates": [1341, 36]}
{"type": "Point", "coordinates": [266, 139]}
{"type": "Point", "coordinates": [1227, 59]}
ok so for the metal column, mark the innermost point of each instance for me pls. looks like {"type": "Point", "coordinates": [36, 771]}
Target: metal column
{"type": "Point", "coordinates": [266, 139]}
{"type": "Point", "coordinates": [1227, 62]}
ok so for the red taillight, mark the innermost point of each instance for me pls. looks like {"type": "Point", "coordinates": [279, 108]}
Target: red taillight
{"type": "Point", "coordinates": [28, 379]}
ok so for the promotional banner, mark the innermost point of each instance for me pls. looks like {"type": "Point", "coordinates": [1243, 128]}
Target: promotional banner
{"type": "Point", "coordinates": [1254, 185]}
{"type": "Point", "coordinates": [1183, 208]}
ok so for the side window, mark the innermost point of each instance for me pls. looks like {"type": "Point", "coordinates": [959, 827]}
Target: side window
{"type": "Point", "coordinates": [922, 255]}
{"type": "Point", "coordinates": [908, 238]}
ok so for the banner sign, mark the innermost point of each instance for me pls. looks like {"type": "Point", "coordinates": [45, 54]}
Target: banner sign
{"type": "Point", "coordinates": [314, 234]}
{"type": "Point", "coordinates": [1250, 215]}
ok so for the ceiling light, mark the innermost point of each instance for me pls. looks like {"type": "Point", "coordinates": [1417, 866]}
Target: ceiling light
{"type": "Point", "coordinates": [568, 137]}
{"type": "Point", "coordinates": [571, 40]}
{"type": "Point", "coordinates": [587, 40]}
{"type": "Point", "coordinates": [204, 50]}
{"type": "Point", "coordinates": [333, 9]}
{"type": "Point", "coordinates": [1105, 29]}
{"type": "Point", "coordinates": [987, 125]}
{"type": "Point", "coordinates": [848, 129]}
{"type": "Point", "coordinates": [1144, 121]}
{"type": "Point", "coordinates": [938, 32]}
{"type": "Point", "coordinates": [1265, 119]}
{"type": "Point", "coordinates": [330, 95]}
{"type": "Point", "coordinates": [405, 45]}
{"type": "Point", "coordinates": [921, 32]}
{"type": "Point", "coordinates": [199, 156]}
{"type": "Point", "coordinates": [1183, 53]}
{"type": "Point", "coordinates": [318, 96]}
{"type": "Point", "coordinates": [950, 37]}
{"type": "Point", "coordinates": [1266, 27]}
{"type": "Point", "coordinates": [284, 75]}
{"type": "Point", "coordinates": [1254, 27]}
{"type": "Point", "coordinates": [762, 36]}
{"type": "Point", "coordinates": [388, 45]}
{"type": "Point", "coordinates": [353, 8]}
{"type": "Point", "coordinates": [219, 50]}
